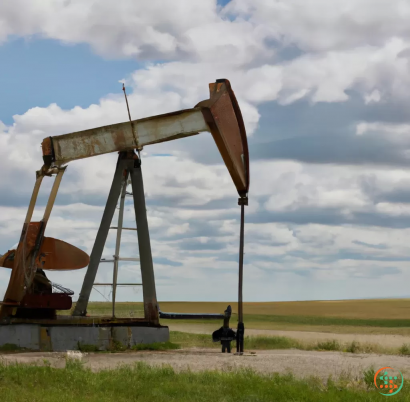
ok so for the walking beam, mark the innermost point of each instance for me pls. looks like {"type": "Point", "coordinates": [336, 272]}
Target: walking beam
{"type": "Point", "coordinates": [220, 115]}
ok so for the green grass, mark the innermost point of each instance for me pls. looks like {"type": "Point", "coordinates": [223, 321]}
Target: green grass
{"type": "Point", "coordinates": [189, 340]}
{"type": "Point", "coordinates": [353, 347]}
{"type": "Point", "coordinates": [186, 340]}
{"type": "Point", "coordinates": [289, 314]}
{"type": "Point", "coordinates": [405, 349]}
{"type": "Point", "coordinates": [271, 342]}
{"type": "Point", "coordinates": [368, 377]}
{"type": "Point", "coordinates": [145, 384]}
{"type": "Point", "coordinates": [328, 345]}
{"type": "Point", "coordinates": [345, 316]}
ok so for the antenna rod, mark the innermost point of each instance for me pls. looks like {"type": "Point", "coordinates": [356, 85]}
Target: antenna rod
{"type": "Point", "coordinates": [132, 124]}
{"type": "Point", "coordinates": [126, 100]}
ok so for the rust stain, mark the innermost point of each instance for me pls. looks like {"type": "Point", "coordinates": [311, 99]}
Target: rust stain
{"type": "Point", "coordinates": [23, 270]}
{"type": "Point", "coordinates": [57, 255]}
{"type": "Point", "coordinates": [47, 147]}
{"type": "Point", "coordinates": [225, 120]}
{"type": "Point", "coordinates": [52, 254]}
{"type": "Point", "coordinates": [55, 301]}
{"type": "Point", "coordinates": [7, 260]}
{"type": "Point", "coordinates": [151, 312]}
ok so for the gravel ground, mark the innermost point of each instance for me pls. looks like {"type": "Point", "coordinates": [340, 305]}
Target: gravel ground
{"type": "Point", "coordinates": [301, 363]}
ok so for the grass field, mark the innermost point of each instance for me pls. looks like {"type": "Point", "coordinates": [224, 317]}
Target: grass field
{"type": "Point", "coordinates": [374, 309]}
{"type": "Point", "coordinates": [146, 383]}
{"type": "Point", "coordinates": [187, 340]}
{"type": "Point", "coordinates": [377, 316]}
{"type": "Point", "coordinates": [143, 383]}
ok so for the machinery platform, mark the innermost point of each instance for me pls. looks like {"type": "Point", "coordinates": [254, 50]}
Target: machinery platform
{"type": "Point", "coordinates": [75, 333]}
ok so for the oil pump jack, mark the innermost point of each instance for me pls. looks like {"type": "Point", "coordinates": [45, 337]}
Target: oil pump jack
{"type": "Point", "coordinates": [28, 312]}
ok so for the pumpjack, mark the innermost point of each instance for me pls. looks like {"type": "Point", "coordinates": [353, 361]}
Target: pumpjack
{"type": "Point", "coordinates": [31, 300]}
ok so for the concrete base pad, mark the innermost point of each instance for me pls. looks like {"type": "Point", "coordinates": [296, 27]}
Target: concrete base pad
{"type": "Point", "coordinates": [60, 338]}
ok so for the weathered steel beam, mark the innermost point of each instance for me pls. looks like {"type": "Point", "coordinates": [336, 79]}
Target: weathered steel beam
{"type": "Point", "coordinates": [120, 137]}
{"type": "Point", "coordinates": [149, 292]}
{"type": "Point", "coordinates": [220, 115]}
{"type": "Point", "coordinates": [96, 253]}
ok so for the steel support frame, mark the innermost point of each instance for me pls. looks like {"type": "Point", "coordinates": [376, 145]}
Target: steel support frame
{"type": "Point", "coordinates": [24, 267]}
{"type": "Point", "coordinates": [128, 164]}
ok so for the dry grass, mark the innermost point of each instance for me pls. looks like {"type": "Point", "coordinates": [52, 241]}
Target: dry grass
{"type": "Point", "coordinates": [189, 340]}
{"type": "Point", "coordinates": [350, 309]}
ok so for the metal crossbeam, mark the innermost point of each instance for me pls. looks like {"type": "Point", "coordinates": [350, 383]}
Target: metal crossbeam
{"type": "Point", "coordinates": [120, 259]}
{"type": "Point", "coordinates": [118, 284]}
{"type": "Point", "coordinates": [116, 227]}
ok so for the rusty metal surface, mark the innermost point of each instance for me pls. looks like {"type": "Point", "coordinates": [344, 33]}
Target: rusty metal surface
{"type": "Point", "coordinates": [120, 137]}
{"type": "Point", "coordinates": [29, 254]}
{"type": "Point", "coordinates": [220, 114]}
{"type": "Point", "coordinates": [54, 255]}
{"type": "Point", "coordinates": [56, 301]}
{"type": "Point", "coordinates": [7, 260]}
{"type": "Point", "coordinates": [47, 147]}
{"type": "Point", "coordinates": [224, 117]}
{"type": "Point", "coordinates": [97, 321]}
{"type": "Point", "coordinates": [26, 259]}
{"type": "Point", "coordinates": [57, 255]}
{"type": "Point", "coordinates": [22, 267]}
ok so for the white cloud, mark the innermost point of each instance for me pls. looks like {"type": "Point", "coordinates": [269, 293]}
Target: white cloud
{"type": "Point", "coordinates": [346, 45]}
{"type": "Point", "coordinates": [153, 30]}
{"type": "Point", "coordinates": [320, 25]}
{"type": "Point", "coordinates": [353, 44]}
{"type": "Point", "coordinates": [391, 130]}
{"type": "Point", "coordinates": [374, 96]}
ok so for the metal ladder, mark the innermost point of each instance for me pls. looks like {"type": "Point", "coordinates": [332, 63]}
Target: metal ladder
{"type": "Point", "coordinates": [116, 256]}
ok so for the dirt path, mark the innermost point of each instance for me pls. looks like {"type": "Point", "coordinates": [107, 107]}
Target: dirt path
{"type": "Point", "coordinates": [388, 341]}
{"type": "Point", "coordinates": [301, 363]}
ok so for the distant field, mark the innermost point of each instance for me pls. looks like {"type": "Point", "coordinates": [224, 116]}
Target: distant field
{"type": "Point", "coordinates": [375, 309]}
{"type": "Point", "coordinates": [377, 316]}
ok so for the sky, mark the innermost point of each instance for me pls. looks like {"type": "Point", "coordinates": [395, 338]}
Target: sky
{"type": "Point", "coordinates": [324, 91]}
